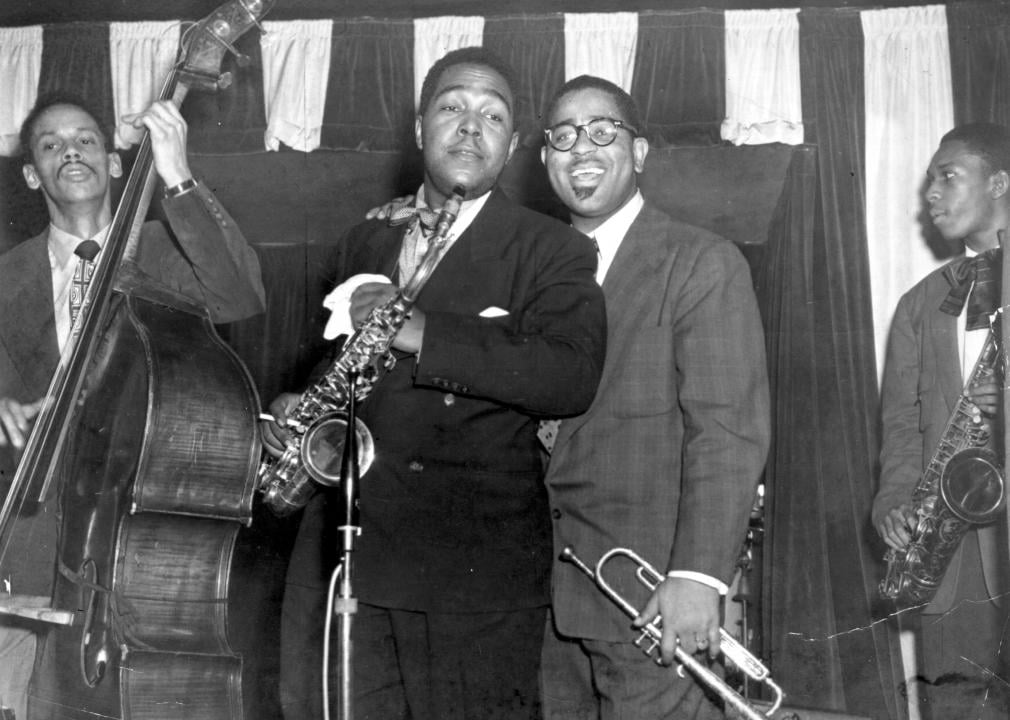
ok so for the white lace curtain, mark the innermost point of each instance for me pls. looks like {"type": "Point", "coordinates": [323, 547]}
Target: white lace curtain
{"type": "Point", "coordinates": [20, 67]}
{"type": "Point", "coordinates": [909, 106]}
{"type": "Point", "coordinates": [763, 102]}
{"type": "Point", "coordinates": [296, 68]}
{"type": "Point", "coordinates": [141, 55]}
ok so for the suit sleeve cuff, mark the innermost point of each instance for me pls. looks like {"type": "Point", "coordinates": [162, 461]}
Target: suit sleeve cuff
{"type": "Point", "coordinates": [704, 579]}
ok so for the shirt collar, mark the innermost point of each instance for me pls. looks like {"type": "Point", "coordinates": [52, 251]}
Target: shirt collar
{"type": "Point", "coordinates": [611, 233]}
{"type": "Point", "coordinates": [467, 211]}
{"type": "Point", "coordinates": [62, 244]}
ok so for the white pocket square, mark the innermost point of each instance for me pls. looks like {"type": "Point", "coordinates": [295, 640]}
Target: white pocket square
{"type": "Point", "coordinates": [493, 312]}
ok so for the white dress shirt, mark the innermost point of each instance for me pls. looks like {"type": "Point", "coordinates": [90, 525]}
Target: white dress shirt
{"type": "Point", "coordinates": [63, 262]}
{"type": "Point", "coordinates": [610, 234]}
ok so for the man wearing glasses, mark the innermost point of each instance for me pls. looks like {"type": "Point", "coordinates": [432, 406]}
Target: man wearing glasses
{"type": "Point", "coordinates": [666, 460]}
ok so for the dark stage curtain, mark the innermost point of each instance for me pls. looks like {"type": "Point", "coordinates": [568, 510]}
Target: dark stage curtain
{"type": "Point", "coordinates": [75, 57]}
{"type": "Point", "coordinates": [369, 97]}
{"type": "Point", "coordinates": [680, 76]}
{"type": "Point", "coordinates": [535, 48]}
{"type": "Point", "coordinates": [231, 119]}
{"type": "Point", "coordinates": [979, 35]}
{"type": "Point", "coordinates": [822, 557]}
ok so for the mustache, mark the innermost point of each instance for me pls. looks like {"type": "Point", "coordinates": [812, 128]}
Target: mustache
{"type": "Point", "coordinates": [74, 162]}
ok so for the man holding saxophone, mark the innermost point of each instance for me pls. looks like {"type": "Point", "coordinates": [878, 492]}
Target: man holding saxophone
{"type": "Point", "coordinates": [453, 559]}
{"type": "Point", "coordinates": [666, 460]}
{"type": "Point", "coordinates": [936, 336]}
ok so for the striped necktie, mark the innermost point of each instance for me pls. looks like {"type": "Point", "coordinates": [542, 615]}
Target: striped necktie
{"type": "Point", "coordinates": [86, 251]}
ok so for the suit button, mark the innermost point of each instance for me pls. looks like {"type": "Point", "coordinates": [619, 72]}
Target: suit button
{"type": "Point", "coordinates": [556, 514]}
{"type": "Point", "coordinates": [415, 466]}
{"type": "Point", "coordinates": [449, 400]}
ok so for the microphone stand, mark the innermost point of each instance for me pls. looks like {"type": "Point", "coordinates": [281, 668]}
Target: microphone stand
{"type": "Point", "coordinates": [345, 605]}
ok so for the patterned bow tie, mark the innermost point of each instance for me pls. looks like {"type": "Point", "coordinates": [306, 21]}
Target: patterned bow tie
{"type": "Point", "coordinates": [979, 276]}
{"type": "Point", "coordinates": [407, 213]}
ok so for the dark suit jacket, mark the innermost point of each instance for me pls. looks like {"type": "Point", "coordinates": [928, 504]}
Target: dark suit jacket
{"type": "Point", "coordinates": [666, 460]}
{"type": "Point", "coordinates": [209, 261]}
{"type": "Point", "coordinates": [921, 385]}
{"type": "Point", "coordinates": [453, 510]}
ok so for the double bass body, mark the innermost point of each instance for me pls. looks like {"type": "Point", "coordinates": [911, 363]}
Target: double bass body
{"type": "Point", "coordinates": [157, 479]}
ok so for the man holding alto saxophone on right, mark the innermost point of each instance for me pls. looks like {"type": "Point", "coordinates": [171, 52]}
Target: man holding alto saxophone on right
{"type": "Point", "coordinates": [937, 334]}
{"type": "Point", "coordinates": [666, 460]}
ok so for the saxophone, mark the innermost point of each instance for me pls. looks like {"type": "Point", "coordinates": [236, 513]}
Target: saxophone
{"type": "Point", "coordinates": [317, 425]}
{"type": "Point", "coordinates": [963, 485]}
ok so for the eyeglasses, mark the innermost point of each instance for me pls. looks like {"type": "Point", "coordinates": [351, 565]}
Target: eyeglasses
{"type": "Point", "coordinates": [601, 132]}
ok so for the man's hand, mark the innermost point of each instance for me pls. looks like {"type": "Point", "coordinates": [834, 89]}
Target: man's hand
{"type": "Point", "coordinates": [372, 294]}
{"type": "Point", "coordinates": [274, 433]}
{"type": "Point", "coordinates": [15, 420]}
{"type": "Point", "coordinates": [167, 130]}
{"type": "Point", "coordinates": [384, 211]}
{"type": "Point", "coordinates": [690, 612]}
{"type": "Point", "coordinates": [987, 396]}
{"type": "Point", "coordinates": [896, 527]}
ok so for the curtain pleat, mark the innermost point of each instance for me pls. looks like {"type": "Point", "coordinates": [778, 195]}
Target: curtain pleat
{"type": "Point", "coordinates": [823, 558]}
{"type": "Point", "coordinates": [679, 79]}
{"type": "Point", "coordinates": [75, 58]}
{"type": "Point", "coordinates": [979, 36]}
{"type": "Point", "coordinates": [535, 48]}
{"type": "Point", "coordinates": [368, 99]}
{"type": "Point", "coordinates": [20, 66]}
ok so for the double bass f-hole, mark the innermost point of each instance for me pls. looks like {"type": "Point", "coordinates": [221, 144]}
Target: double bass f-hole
{"type": "Point", "coordinates": [93, 661]}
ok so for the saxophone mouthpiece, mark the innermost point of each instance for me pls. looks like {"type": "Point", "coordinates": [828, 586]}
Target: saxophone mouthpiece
{"type": "Point", "coordinates": [447, 215]}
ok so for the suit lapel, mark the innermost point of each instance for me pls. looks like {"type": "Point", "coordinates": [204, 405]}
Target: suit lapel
{"type": "Point", "coordinates": [475, 259]}
{"type": "Point", "coordinates": [627, 289]}
{"type": "Point", "coordinates": [944, 345]}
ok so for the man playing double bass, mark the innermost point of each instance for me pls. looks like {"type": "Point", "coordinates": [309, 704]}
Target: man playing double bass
{"type": "Point", "coordinates": [69, 158]}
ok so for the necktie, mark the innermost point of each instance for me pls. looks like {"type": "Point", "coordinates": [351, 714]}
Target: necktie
{"type": "Point", "coordinates": [86, 250]}
{"type": "Point", "coordinates": [406, 213]}
{"type": "Point", "coordinates": [415, 240]}
{"type": "Point", "coordinates": [976, 280]}
{"type": "Point", "coordinates": [547, 433]}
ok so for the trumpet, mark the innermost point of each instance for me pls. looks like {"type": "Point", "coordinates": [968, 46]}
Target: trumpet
{"type": "Point", "coordinates": [652, 634]}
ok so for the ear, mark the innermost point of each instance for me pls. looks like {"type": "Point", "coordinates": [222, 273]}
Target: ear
{"type": "Point", "coordinates": [1000, 184]}
{"type": "Point", "coordinates": [513, 144]}
{"type": "Point", "coordinates": [115, 165]}
{"type": "Point", "coordinates": [31, 177]}
{"type": "Point", "coordinates": [543, 156]}
{"type": "Point", "coordinates": [639, 150]}
{"type": "Point", "coordinates": [417, 133]}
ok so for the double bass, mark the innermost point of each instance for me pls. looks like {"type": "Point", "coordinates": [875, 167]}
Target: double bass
{"type": "Point", "coordinates": [147, 437]}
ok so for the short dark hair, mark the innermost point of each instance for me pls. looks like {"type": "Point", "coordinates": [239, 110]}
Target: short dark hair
{"type": "Point", "coordinates": [467, 56]}
{"type": "Point", "coordinates": [626, 105]}
{"type": "Point", "coordinates": [51, 99]}
{"type": "Point", "coordinates": [989, 141]}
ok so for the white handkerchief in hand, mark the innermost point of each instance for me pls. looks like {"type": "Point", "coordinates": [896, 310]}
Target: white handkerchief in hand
{"type": "Point", "coordinates": [493, 312]}
{"type": "Point", "coordinates": [338, 302]}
